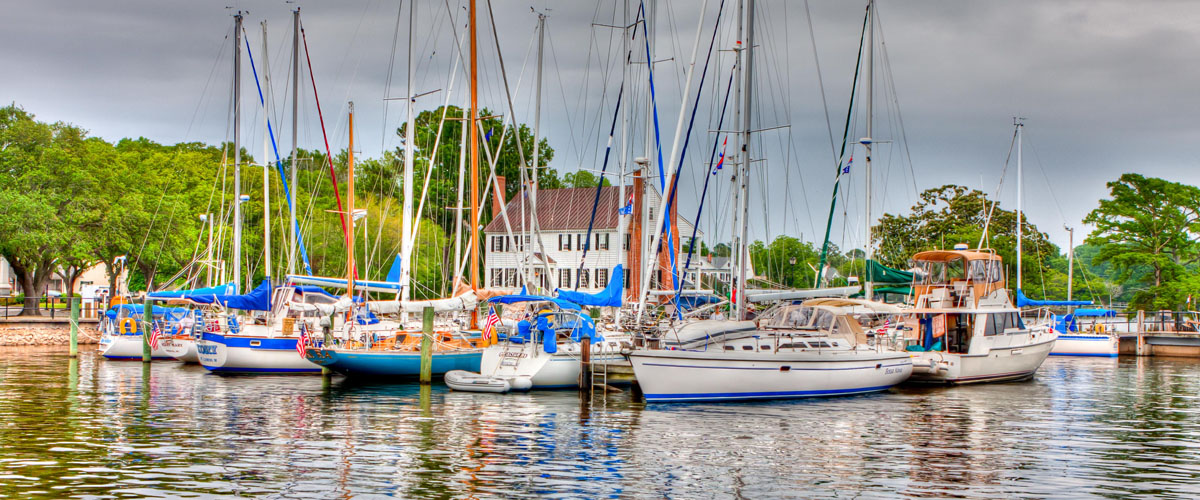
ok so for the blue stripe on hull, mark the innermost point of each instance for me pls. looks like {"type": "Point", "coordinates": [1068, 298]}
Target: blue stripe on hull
{"type": "Point", "coordinates": [224, 369]}
{"type": "Point", "coordinates": [384, 364]}
{"type": "Point", "coordinates": [138, 358]}
{"type": "Point", "coordinates": [1085, 338]}
{"type": "Point", "coordinates": [1089, 354]}
{"type": "Point", "coordinates": [727, 396]}
{"type": "Point", "coordinates": [264, 343]}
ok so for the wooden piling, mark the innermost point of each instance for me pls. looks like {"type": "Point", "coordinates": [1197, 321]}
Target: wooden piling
{"type": "Point", "coordinates": [1141, 333]}
{"type": "Point", "coordinates": [147, 326]}
{"type": "Point", "coordinates": [585, 363]}
{"type": "Point", "coordinates": [427, 346]}
{"type": "Point", "coordinates": [75, 326]}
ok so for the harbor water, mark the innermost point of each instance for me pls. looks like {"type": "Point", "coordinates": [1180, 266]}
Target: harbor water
{"type": "Point", "coordinates": [91, 428]}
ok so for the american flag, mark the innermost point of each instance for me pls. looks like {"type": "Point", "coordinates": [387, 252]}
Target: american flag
{"type": "Point", "coordinates": [489, 328]}
{"type": "Point", "coordinates": [303, 341]}
{"type": "Point", "coordinates": [155, 334]}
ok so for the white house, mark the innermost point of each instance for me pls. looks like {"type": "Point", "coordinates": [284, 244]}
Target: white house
{"type": "Point", "coordinates": [93, 280]}
{"type": "Point", "coordinates": [563, 218]}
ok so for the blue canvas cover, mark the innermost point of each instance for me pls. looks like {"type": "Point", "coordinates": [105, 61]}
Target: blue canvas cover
{"type": "Point", "coordinates": [138, 310]}
{"type": "Point", "coordinates": [514, 299]}
{"type": "Point", "coordinates": [1095, 313]}
{"type": "Point", "coordinates": [259, 299]}
{"type": "Point", "coordinates": [610, 296]}
{"type": "Point", "coordinates": [226, 289]}
{"type": "Point", "coordinates": [1023, 301]}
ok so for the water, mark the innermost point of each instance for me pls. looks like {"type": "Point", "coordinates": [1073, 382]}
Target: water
{"type": "Point", "coordinates": [99, 429]}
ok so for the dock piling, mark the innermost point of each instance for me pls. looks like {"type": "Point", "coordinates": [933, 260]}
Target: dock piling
{"type": "Point", "coordinates": [427, 346]}
{"type": "Point", "coordinates": [147, 326]}
{"type": "Point", "coordinates": [75, 326]}
{"type": "Point", "coordinates": [585, 363]}
{"type": "Point", "coordinates": [1141, 333]}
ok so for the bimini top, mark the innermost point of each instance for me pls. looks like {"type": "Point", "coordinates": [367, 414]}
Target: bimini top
{"type": "Point", "coordinates": [871, 305]}
{"type": "Point", "coordinates": [949, 255]}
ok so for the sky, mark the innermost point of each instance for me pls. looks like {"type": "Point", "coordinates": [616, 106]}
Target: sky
{"type": "Point", "coordinates": [1105, 87]}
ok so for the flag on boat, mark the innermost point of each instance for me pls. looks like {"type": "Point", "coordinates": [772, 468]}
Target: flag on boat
{"type": "Point", "coordinates": [721, 159]}
{"type": "Point", "coordinates": [846, 169]}
{"type": "Point", "coordinates": [303, 341]}
{"type": "Point", "coordinates": [489, 328]}
{"type": "Point", "coordinates": [488, 136]}
{"type": "Point", "coordinates": [628, 208]}
{"type": "Point", "coordinates": [155, 334]}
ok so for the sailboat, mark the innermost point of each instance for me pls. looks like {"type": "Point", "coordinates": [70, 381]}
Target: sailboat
{"type": "Point", "coordinates": [782, 356]}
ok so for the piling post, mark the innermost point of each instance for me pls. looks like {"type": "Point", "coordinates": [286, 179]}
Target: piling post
{"type": "Point", "coordinates": [427, 346]}
{"type": "Point", "coordinates": [147, 325]}
{"type": "Point", "coordinates": [1141, 332]}
{"type": "Point", "coordinates": [585, 363]}
{"type": "Point", "coordinates": [75, 326]}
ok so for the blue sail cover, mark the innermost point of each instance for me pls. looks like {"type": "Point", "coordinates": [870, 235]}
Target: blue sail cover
{"type": "Point", "coordinates": [226, 289]}
{"type": "Point", "coordinates": [259, 299]}
{"type": "Point", "coordinates": [1095, 313]}
{"type": "Point", "coordinates": [1023, 301]}
{"type": "Point", "coordinates": [138, 310]}
{"type": "Point", "coordinates": [610, 296]}
{"type": "Point", "coordinates": [513, 299]}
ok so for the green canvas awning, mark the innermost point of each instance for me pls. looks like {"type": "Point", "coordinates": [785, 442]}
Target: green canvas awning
{"type": "Point", "coordinates": [879, 273]}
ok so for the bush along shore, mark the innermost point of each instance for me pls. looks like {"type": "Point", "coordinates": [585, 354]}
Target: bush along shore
{"type": "Point", "coordinates": [46, 334]}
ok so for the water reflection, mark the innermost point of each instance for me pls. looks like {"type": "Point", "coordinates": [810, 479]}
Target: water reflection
{"type": "Point", "coordinates": [90, 427]}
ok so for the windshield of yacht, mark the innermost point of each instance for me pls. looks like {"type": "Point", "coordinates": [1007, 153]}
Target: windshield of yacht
{"type": "Point", "coordinates": [789, 316]}
{"type": "Point", "coordinates": [942, 272]}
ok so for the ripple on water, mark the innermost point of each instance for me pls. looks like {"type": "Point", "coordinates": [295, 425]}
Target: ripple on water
{"type": "Point", "coordinates": [1083, 427]}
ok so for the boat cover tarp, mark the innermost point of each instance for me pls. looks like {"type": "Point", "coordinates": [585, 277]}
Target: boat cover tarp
{"type": "Point", "coordinates": [138, 309]}
{"type": "Point", "coordinates": [314, 289]}
{"type": "Point", "coordinates": [879, 273]}
{"type": "Point", "coordinates": [610, 296]}
{"type": "Point", "coordinates": [1023, 301]}
{"type": "Point", "coordinates": [518, 298]}
{"type": "Point", "coordinates": [226, 289]}
{"type": "Point", "coordinates": [899, 290]}
{"type": "Point", "coordinates": [1095, 313]}
{"type": "Point", "coordinates": [464, 302]}
{"type": "Point", "coordinates": [259, 299]}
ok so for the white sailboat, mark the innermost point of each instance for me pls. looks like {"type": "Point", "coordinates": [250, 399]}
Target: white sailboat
{"type": "Point", "coordinates": [786, 355]}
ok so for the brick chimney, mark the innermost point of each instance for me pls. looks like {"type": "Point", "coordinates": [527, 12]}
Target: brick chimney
{"type": "Point", "coordinates": [634, 258]}
{"type": "Point", "coordinates": [498, 198]}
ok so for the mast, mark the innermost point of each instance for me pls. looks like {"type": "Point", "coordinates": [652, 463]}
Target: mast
{"type": "Point", "coordinates": [734, 257]}
{"type": "Point", "coordinates": [474, 131]}
{"type": "Point", "coordinates": [743, 205]}
{"type": "Point", "coordinates": [295, 139]}
{"type": "Point", "coordinates": [458, 213]}
{"type": "Point", "coordinates": [869, 67]}
{"type": "Point", "coordinates": [1070, 259]}
{"type": "Point", "coordinates": [237, 150]}
{"type": "Point", "coordinates": [266, 166]}
{"type": "Point", "coordinates": [1020, 215]}
{"type": "Point", "coordinates": [350, 209]}
{"type": "Point", "coordinates": [406, 234]}
{"type": "Point", "coordinates": [537, 114]}
{"type": "Point", "coordinates": [622, 222]}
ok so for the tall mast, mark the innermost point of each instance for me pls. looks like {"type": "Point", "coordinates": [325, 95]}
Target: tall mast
{"type": "Point", "coordinates": [295, 139]}
{"type": "Point", "coordinates": [474, 131]}
{"type": "Point", "coordinates": [266, 166]}
{"type": "Point", "coordinates": [1070, 259]}
{"type": "Point", "coordinates": [1020, 215]}
{"type": "Point", "coordinates": [537, 110]}
{"type": "Point", "coordinates": [350, 208]}
{"type": "Point", "coordinates": [868, 67]}
{"type": "Point", "coordinates": [406, 234]}
{"type": "Point", "coordinates": [744, 178]}
{"type": "Point", "coordinates": [622, 222]}
{"type": "Point", "coordinates": [237, 150]}
{"type": "Point", "coordinates": [738, 47]}
{"type": "Point", "coordinates": [458, 213]}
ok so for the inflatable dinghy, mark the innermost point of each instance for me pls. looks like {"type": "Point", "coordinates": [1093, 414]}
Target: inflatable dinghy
{"type": "Point", "coordinates": [461, 380]}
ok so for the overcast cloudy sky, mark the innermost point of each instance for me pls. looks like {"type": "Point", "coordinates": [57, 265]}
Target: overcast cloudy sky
{"type": "Point", "coordinates": [1106, 87]}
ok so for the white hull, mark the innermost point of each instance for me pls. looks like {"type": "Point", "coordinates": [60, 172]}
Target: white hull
{"type": "Point", "coordinates": [183, 349]}
{"type": "Point", "coordinates": [128, 347]}
{"type": "Point", "coordinates": [712, 375]}
{"type": "Point", "coordinates": [547, 371]}
{"type": "Point", "coordinates": [1085, 344]}
{"type": "Point", "coordinates": [1006, 357]}
{"type": "Point", "coordinates": [252, 354]}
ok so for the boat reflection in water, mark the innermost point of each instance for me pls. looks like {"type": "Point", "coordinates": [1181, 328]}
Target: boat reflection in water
{"type": "Point", "coordinates": [169, 429]}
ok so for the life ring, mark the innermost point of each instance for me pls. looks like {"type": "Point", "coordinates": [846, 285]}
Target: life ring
{"type": "Point", "coordinates": [130, 323]}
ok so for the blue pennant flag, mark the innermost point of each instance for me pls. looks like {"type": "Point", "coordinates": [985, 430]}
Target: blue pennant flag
{"type": "Point", "coordinates": [488, 136]}
{"type": "Point", "coordinates": [846, 169]}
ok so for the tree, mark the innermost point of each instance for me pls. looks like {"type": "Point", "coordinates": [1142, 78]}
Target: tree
{"type": "Point", "coordinates": [1149, 224]}
{"type": "Point", "coordinates": [951, 214]}
{"type": "Point", "coordinates": [787, 261]}
{"type": "Point", "coordinates": [582, 179]}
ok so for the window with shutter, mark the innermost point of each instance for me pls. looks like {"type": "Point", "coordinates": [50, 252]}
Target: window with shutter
{"type": "Point", "coordinates": [583, 278]}
{"type": "Point", "coordinates": [601, 278]}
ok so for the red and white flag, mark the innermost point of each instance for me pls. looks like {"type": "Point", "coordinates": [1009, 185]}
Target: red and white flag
{"type": "Point", "coordinates": [155, 334]}
{"type": "Point", "coordinates": [489, 328]}
{"type": "Point", "coordinates": [303, 341]}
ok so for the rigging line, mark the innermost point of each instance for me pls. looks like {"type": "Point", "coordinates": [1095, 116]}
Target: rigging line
{"type": "Point", "coordinates": [587, 244]}
{"type": "Point", "coordinates": [387, 85]}
{"type": "Point", "coordinates": [707, 178]}
{"type": "Point", "coordinates": [845, 138]}
{"type": "Point", "coordinates": [1038, 160]}
{"type": "Point", "coordinates": [891, 83]}
{"type": "Point", "coordinates": [563, 93]}
{"type": "Point", "coordinates": [207, 82]}
{"type": "Point", "coordinates": [328, 156]}
{"type": "Point", "coordinates": [996, 197]}
{"type": "Point", "coordinates": [278, 163]}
